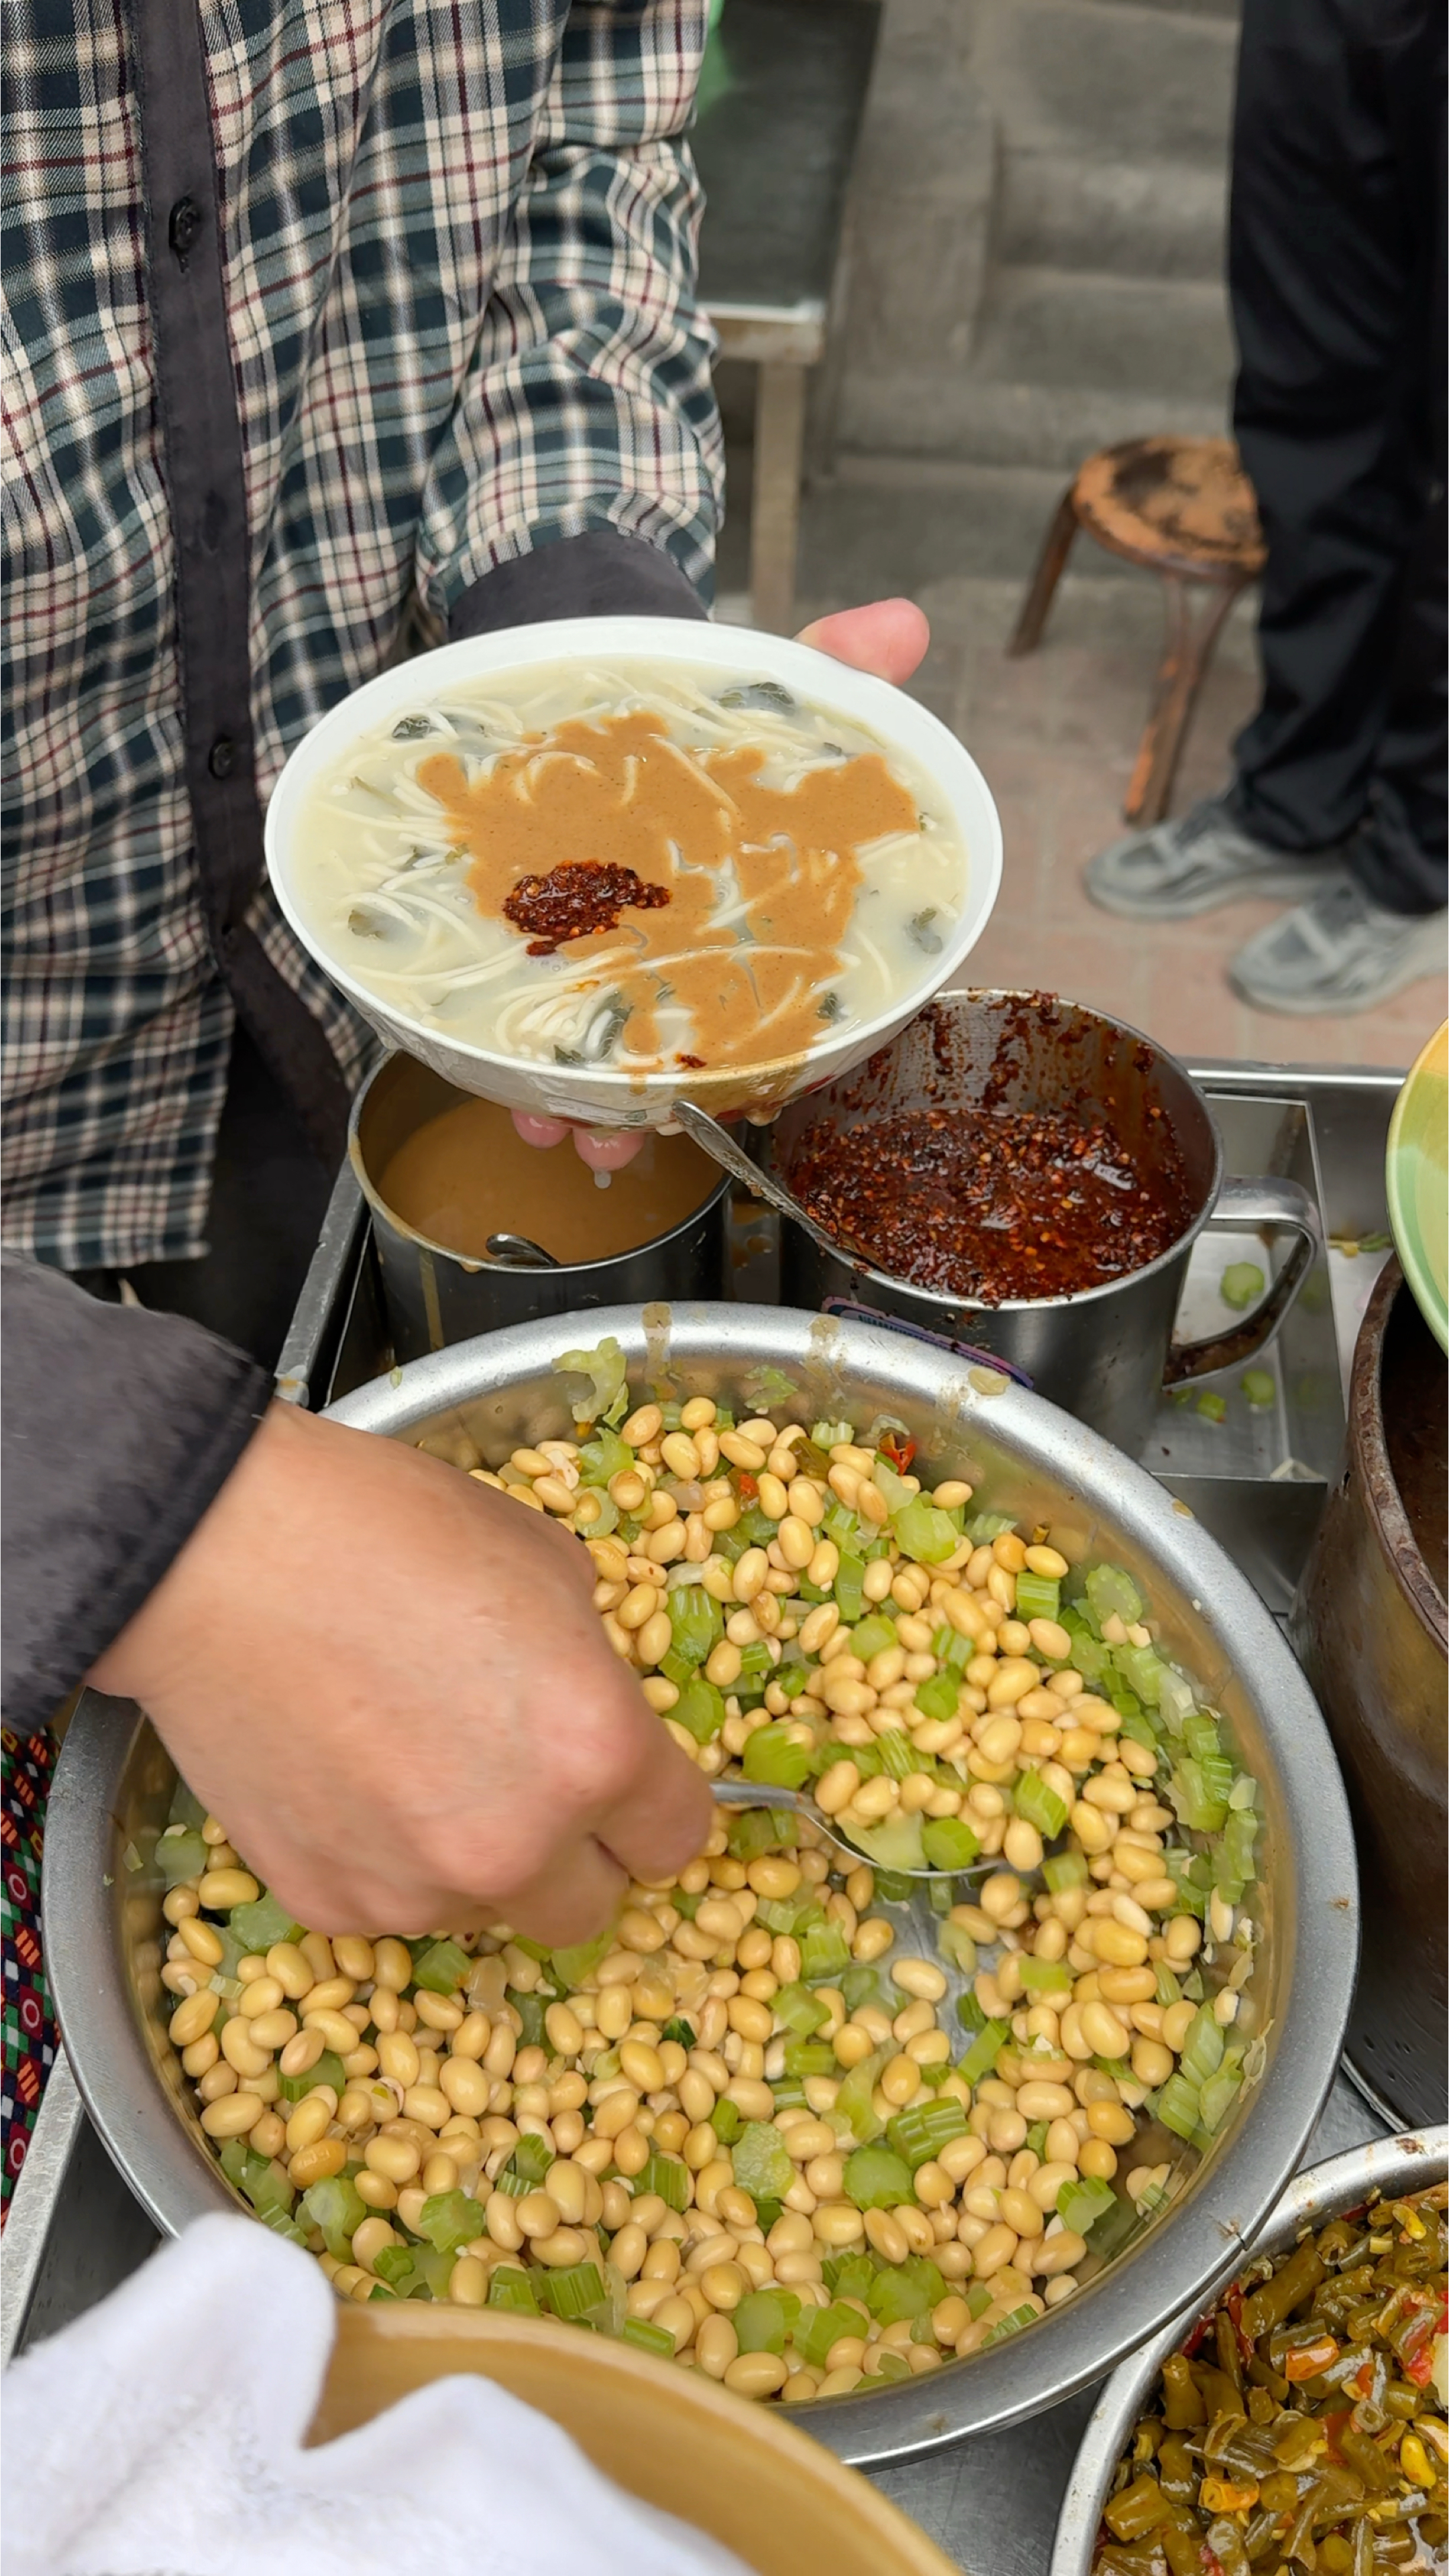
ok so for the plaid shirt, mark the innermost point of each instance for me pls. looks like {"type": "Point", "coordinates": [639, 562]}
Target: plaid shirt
{"type": "Point", "coordinates": [457, 257]}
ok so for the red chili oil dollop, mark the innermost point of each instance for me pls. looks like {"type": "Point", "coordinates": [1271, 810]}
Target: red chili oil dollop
{"type": "Point", "coordinates": [992, 1204]}
{"type": "Point", "coordinates": [574, 899]}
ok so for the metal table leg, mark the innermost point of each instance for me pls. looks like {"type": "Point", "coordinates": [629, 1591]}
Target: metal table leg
{"type": "Point", "coordinates": [775, 517]}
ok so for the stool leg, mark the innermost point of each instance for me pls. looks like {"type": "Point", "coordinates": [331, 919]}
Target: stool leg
{"type": "Point", "coordinates": [775, 515]}
{"type": "Point", "coordinates": [1051, 564]}
{"type": "Point", "coordinates": [1185, 658]}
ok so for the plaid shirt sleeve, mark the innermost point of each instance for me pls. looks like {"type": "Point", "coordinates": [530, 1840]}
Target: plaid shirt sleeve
{"type": "Point", "coordinates": [589, 403]}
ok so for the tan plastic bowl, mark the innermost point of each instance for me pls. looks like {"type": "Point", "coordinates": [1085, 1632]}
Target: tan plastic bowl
{"type": "Point", "coordinates": [594, 1092]}
{"type": "Point", "coordinates": [741, 2473]}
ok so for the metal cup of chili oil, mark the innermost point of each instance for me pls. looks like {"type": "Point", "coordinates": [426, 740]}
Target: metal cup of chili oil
{"type": "Point", "coordinates": [1028, 1177]}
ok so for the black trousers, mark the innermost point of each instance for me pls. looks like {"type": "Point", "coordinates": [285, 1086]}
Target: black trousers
{"type": "Point", "coordinates": [1336, 268]}
{"type": "Point", "coordinates": [269, 1194]}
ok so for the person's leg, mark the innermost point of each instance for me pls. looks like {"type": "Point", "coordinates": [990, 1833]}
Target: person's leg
{"type": "Point", "coordinates": [268, 1198]}
{"type": "Point", "coordinates": [1336, 135]}
{"type": "Point", "coordinates": [1331, 268]}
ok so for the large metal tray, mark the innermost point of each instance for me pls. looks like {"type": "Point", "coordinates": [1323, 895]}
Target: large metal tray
{"type": "Point", "coordinates": [991, 2504]}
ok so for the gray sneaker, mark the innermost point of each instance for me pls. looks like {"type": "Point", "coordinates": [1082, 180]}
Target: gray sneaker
{"type": "Point", "coordinates": [1201, 860]}
{"type": "Point", "coordinates": [1338, 952]}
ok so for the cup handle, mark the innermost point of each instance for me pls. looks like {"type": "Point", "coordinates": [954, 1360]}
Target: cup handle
{"type": "Point", "coordinates": [1266, 1201]}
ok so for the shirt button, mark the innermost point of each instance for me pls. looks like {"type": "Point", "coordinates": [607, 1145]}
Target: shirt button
{"type": "Point", "coordinates": [221, 759]}
{"type": "Point", "coordinates": [184, 226]}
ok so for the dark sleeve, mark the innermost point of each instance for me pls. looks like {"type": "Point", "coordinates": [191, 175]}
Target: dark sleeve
{"type": "Point", "coordinates": [599, 574]}
{"type": "Point", "coordinates": [118, 1429]}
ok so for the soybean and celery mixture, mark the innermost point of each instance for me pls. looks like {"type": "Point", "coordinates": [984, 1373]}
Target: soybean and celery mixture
{"type": "Point", "coordinates": [742, 2129]}
{"type": "Point", "coordinates": [1302, 2426]}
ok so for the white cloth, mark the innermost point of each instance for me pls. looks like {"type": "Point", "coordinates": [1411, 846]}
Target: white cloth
{"type": "Point", "coordinates": [161, 2435]}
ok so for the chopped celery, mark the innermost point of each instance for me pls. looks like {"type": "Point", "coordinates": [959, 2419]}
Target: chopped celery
{"type": "Point", "coordinates": [680, 2031]}
{"type": "Point", "coordinates": [832, 1435]}
{"type": "Point", "coordinates": [573, 2290]}
{"type": "Point", "coordinates": [1212, 1406]}
{"type": "Point", "coordinates": [774, 1757]}
{"type": "Point", "coordinates": [1113, 1593]}
{"type": "Point", "coordinates": [824, 1953]}
{"type": "Point", "coordinates": [873, 1635]}
{"type": "Point", "coordinates": [947, 1842]}
{"type": "Point", "coordinates": [939, 1697]}
{"type": "Point", "coordinates": [983, 2052]}
{"type": "Point", "coordinates": [328, 2070]}
{"type": "Point", "coordinates": [955, 1943]}
{"type": "Point", "coordinates": [1259, 1389]}
{"type": "Point", "coordinates": [442, 1968]}
{"type": "Point", "coordinates": [855, 2100]}
{"type": "Point", "coordinates": [1038, 1804]}
{"type": "Point", "coordinates": [697, 1622]}
{"type": "Point", "coordinates": [530, 2011]}
{"type": "Point", "coordinates": [530, 2160]}
{"type": "Point", "coordinates": [761, 2161]}
{"type": "Point", "coordinates": [1138, 1728]}
{"type": "Point", "coordinates": [978, 2300]}
{"type": "Point", "coordinates": [849, 2276]}
{"type": "Point", "coordinates": [339, 2210]}
{"type": "Point", "coordinates": [1241, 1284]}
{"type": "Point", "coordinates": [667, 2176]}
{"type": "Point", "coordinates": [819, 2329]}
{"type": "Point", "coordinates": [920, 2133]}
{"type": "Point", "coordinates": [1215, 2099]}
{"type": "Point", "coordinates": [892, 1888]}
{"type": "Point", "coordinates": [725, 2121]}
{"type": "Point", "coordinates": [648, 2338]}
{"type": "Point", "coordinates": [1008, 2325]}
{"type": "Point", "coordinates": [262, 1923]}
{"type": "Point", "coordinates": [952, 1649]}
{"type": "Point", "coordinates": [909, 2289]}
{"type": "Point", "coordinates": [969, 2013]}
{"type": "Point", "coordinates": [511, 2287]}
{"type": "Point", "coordinates": [939, 1892]}
{"type": "Point", "coordinates": [1202, 2049]}
{"type": "Point", "coordinates": [922, 1532]}
{"type": "Point", "coordinates": [1080, 2203]}
{"type": "Point", "coordinates": [983, 1527]}
{"type": "Point", "coordinates": [1035, 2140]}
{"type": "Point", "coordinates": [699, 1709]}
{"type": "Point", "coordinates": [1169, 1991]}
{"type": "Point", "coordinates": [863, 1982]}
{"type": "Point", "coordinates": [753, 1830]}
{"type": "Point", "coordinates": [800, 2011]}
{"type": "Point", "coordinates": [1038, 1596]}
{"type": "Point", "coordinates": [849, 1577]}
{"type": "Point", "coordinates": [756, 1667]}
{"type": "Point", "coordinates": [899, 1756]}
{"type": "Point", "coordinates": [893, 1845]}
{"type": "Point", "coordinates": [281, 2225]}
{"type": "Point", "coordinates": [1177, 2105]}
{"type": "Point", "coordinates": [1045, 1976]}
{"type": "Point", "coordinates": [605, 1368]}
{"type": "Point", "coordinates": [572, 1966]}
{"type": "Point", "coordinates": [765, 2319]}
{"type": "Point", "coordinates": [181, 1856]}
{"type": "Point", "coordinates": [877, 2178]}
{"type": "Point", "coordinates": [807, 2057]}
{"type": "Point", "coordinates": [1141, 1668]}
{"type": "Point", "coordinates": [1064, 1869]}
{"type": "Point", "coordinates": [1200, 1792]}
{"type": "Point", "coordinates": [394, 2265]}
{"type": "Point", "coordinates": [449, 2219]}
{"type": "Point", "coordinates": [185, 1808]}
{"type": "Point", "coordinates": [792, 1677]}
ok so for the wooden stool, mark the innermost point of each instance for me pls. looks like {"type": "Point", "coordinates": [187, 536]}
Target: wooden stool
{"type": "Point", "coordinates": [1180, 507]}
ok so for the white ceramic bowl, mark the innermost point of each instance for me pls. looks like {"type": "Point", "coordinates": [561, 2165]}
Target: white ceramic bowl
{"type": "Point", "coordinates": [612, 1099]}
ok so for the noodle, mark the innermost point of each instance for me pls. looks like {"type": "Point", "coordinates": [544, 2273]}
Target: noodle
{"type": "Point", "coordinates": [632, 867]}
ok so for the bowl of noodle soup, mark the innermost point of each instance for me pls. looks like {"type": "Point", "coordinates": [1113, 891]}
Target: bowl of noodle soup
{"type": "Point", "coordinates": [589, 868]}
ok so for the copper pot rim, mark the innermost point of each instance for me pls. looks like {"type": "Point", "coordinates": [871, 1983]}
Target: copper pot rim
{"type": "Point", "coordinates": [1370, 1454]}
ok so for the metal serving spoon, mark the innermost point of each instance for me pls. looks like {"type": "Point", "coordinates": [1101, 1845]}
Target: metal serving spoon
{"type": "Point", "coordinates": [757, 1793]}
{"type": "Point", "coordinates": [719, 1144]}
{"type": "Point", "coordinates": [521, 1249]}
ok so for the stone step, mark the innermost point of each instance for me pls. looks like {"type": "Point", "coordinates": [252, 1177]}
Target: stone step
{"type": "Point", "coordinates": [1145, 219]}
{"type": "Point", "coordinates": [1126, 81]}
{"type": "Point", "coordinates": [1162, 337]}
{"type": "Point", "coordinates": [950, 413]}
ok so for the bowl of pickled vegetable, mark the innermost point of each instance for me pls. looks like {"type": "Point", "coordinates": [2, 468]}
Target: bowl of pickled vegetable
{"type": "Point", "coordinates": [1300, 2422]}
{"type": "Point", "coordinates": [918, 2155]}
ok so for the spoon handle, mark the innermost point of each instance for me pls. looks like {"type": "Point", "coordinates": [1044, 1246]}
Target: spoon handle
{"type": "Point", "coordinates": [719, 1144]}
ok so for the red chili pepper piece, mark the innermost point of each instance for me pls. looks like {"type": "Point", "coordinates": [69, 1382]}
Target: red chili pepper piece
{"type": "Point", "coordinates": [1234, 2306]}
{"type": "Point", "coordinates": [897, 1452]}
{"type": "Point", "coordinates": [748, 1486]}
